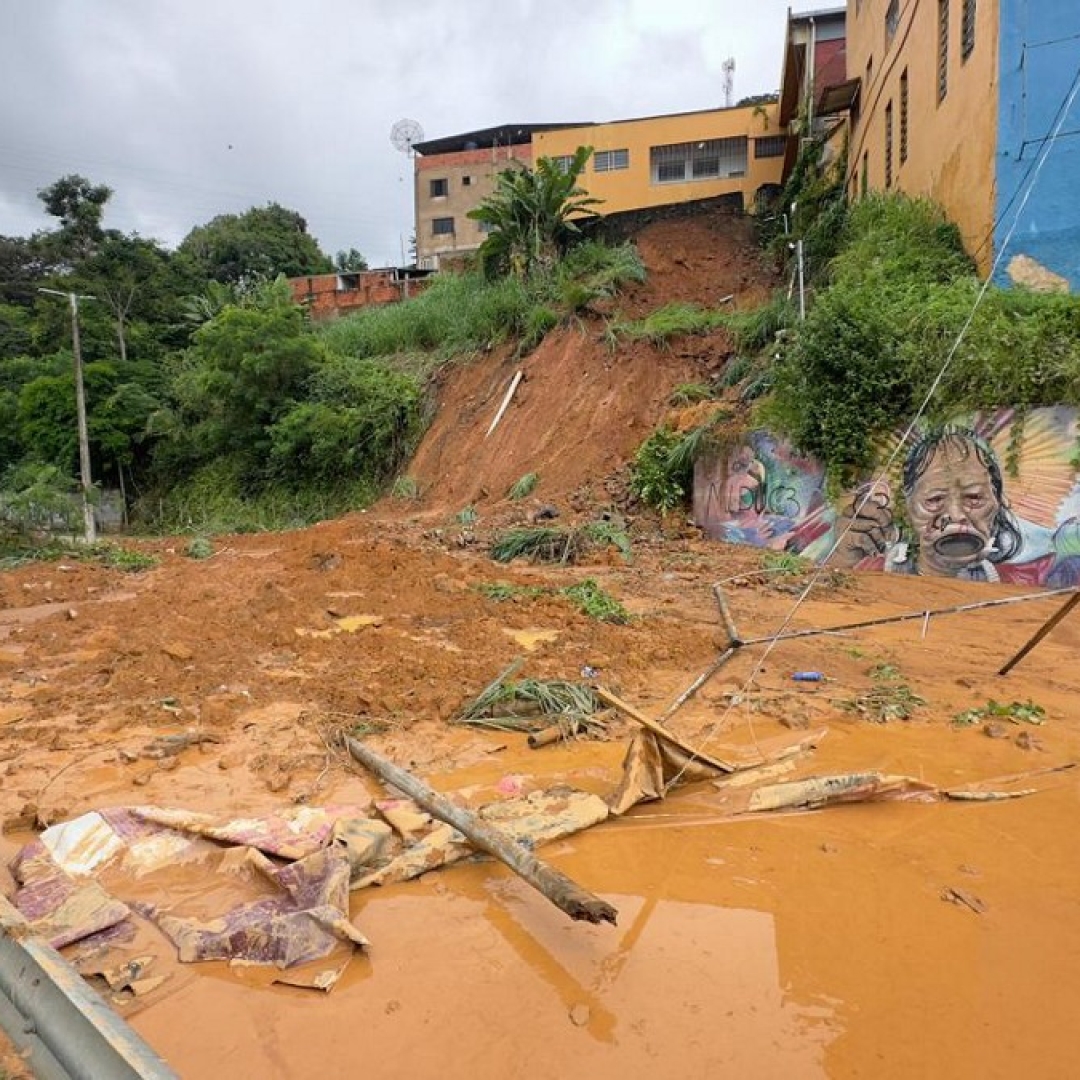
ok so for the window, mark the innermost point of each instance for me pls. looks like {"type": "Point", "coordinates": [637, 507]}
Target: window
{"type": "Point", "coordinates": [440, 188]}
{"type": "Point", "coordinates": [562, 162]}
{"type": "Point", "coordinates": [770, 146]}
{"type": "Point", "coordinates": [892, 21]}
{"type": "Point", "coordinates": [466, 181]}
{"type": "Point", "coordinates": [869, 73]}
{"type": "Point", "coordinates": [967, 29]}
{"type": "Point", "coordinates": [610, 160]}
{"type": "Point", "coordinates": [711, 159]}
{"type": "Point", "coordinates": [942, 50]}
{"type": "Point", "coordinates": [864, 187]}
{"type": "Point", "coordinates": [442, 226]}
{"type": "Point", "coordinates": [903, 116]}
{"type": "Point", "coordinates": [485, 227]}
{"type": "Point", "coordinates": [888, 145]}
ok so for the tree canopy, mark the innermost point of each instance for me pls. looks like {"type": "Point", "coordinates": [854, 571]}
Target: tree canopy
{"type": "Point", "coordinates": [260, 243]}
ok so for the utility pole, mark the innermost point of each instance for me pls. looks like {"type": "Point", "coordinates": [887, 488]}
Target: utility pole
{"type": "Point", "coordinates": [89, 527]}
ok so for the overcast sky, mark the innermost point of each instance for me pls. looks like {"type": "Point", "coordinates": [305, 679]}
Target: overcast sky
{"type": "Point", "coordinates": [188, 108]}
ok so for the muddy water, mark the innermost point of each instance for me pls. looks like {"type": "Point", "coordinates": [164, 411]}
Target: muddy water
{"type": "Point", "coordinates": [794, 946]}
{"type": "Point", "coordinates": [799, 945]}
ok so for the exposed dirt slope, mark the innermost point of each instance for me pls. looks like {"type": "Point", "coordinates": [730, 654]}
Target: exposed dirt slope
{"type": "Point", "coordinates": [583, 408]}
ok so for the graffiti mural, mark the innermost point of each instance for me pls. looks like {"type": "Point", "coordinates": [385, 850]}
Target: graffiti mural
{"type": "Point", "coordinates": [948, 506]}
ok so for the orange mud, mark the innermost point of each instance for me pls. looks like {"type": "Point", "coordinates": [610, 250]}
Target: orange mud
{"type": "Point", "coordinates": [795, 945]}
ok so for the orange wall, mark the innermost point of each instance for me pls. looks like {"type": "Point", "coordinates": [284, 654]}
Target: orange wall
{"type": "Point", "coordinates": [633, 188]}
{"type": "Point", "coordinates": [951, 144]}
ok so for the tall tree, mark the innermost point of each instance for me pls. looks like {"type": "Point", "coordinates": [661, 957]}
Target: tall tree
{"type": "Point", "coordinates": [80, 207]}
{"type": "Point", "coordinates": [350, 261]}
{"type": "Point", "coordinates": [260, 243]}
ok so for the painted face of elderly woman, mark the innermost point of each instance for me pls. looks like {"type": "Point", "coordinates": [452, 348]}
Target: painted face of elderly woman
{"type": "Point", "coordinates": [953, 490]}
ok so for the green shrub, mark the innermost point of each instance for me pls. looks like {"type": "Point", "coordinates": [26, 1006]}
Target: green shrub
{"type": "Point", "coordinates": [594, 602]}
{"type": "Point", "coordinates": [652, 479]}
{"type": "Point", "coordinates": [523, 487]}
{"type": "Point", "coordinates": [690, 394]}
{"type": "Point", "coordinates": [902, 290]}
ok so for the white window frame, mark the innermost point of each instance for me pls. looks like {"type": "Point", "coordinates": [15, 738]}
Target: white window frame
{"type": "Point", "coordinates": [611, 160]}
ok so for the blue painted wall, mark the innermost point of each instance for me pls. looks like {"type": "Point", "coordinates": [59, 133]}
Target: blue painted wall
{"type": "Point", "coordinates": [1039, 64]}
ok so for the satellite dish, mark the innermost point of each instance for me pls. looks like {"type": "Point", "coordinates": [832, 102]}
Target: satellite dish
{"type": "Point", "coordinates": [405, 134]}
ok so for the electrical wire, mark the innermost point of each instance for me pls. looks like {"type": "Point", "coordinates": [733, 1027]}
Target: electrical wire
{"type": "Point", "coordinates": [872, 488]}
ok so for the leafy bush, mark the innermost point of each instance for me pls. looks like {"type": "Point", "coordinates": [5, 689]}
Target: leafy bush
{"type": "Point", "coordinates": [662, 473]}
{"type": "Point", "coordinates": [652, 478]}
{"type": "Point", "coordinates": [902, 290]}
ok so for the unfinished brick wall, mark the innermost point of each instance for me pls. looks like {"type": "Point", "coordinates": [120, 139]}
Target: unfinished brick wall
{"type": "Point", "coordinates": [327, 296]}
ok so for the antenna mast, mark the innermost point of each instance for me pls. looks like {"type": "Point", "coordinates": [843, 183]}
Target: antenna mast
{"type": "Point", "coordinates": [728, 68]}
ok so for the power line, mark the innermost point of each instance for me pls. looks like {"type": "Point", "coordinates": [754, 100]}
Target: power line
{"type": "Point", "coordinates": [872, 488]}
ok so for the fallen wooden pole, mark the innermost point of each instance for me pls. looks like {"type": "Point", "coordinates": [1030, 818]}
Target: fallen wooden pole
{"type": "Point", "coordinates": [698, 683]}
{"type": "Point", "coordinates": [662, 733]}
{"type": "Point", "coordinates": [556, 886]}
{"type": "Point", "coordinates": [959, 608]}
{"type": "Point", "coordinates": [506, 401]}
{"type": "Point", "coordinates": [1042, 632]}
{"type": "Point", "coordinates": [725, 616]}
{"type": "Point", "coordinates": [736, 642]}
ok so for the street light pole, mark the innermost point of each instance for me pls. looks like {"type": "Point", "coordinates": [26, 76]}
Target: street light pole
{"type": "Point", "coordinates": [89, 526]}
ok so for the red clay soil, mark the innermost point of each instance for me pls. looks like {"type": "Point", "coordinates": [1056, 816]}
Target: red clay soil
{"type": "Point", "coordinates": [816, 944]}
{"type": "Point", "coordinates": [583, 407]}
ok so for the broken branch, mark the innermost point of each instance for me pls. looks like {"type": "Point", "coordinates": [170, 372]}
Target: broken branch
{"type": "Point", "coordinates": [556, 886]}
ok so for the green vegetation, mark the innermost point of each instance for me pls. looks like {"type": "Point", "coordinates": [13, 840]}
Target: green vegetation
{"type": "Point", "coordinates": [662, 474]}
{"type": "Point", "coordinates": [609, 534]}
{"type": "Point", "coordinates": [665, 323]}
{"type": "Point", "coordinates": [199, 548]}
{"type": "Point", "coordinates": [888, 698]}
{"type": "Point", "coordinates": [587, 596]}
{"type": "Point", "coordinates": [785, 563]}
{"type": "Point", "coordinates": [405, 488]}
{"type": "Point", "coordinates": [556, 544]}
{"type": "Point", "coordinates": [1015, 712]}
{"type": "Point", "coordinates": [120, 558]}
{"type": "Point", "coordinates": [502, 592]}
{"type": "Point", "coordinates": [899, 293]}
{"type": "Point", "coordinates": [531, 705]}
{"type": "Point", "coordinates": [690, 394]}
{"type": "Point", "coordinates": [541, 543]}
{"type": "Point", "coordinates": [523, 487]}
{"type": "Point", "coordinates": [591, 600]}
{"type": "Point", "coordinates": [533, 214]}
{"type": "Point", "coordinates": [213, 403]}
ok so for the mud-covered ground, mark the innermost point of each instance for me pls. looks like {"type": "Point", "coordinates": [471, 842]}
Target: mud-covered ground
{"type": "Point", "coordinates": [826, 943]}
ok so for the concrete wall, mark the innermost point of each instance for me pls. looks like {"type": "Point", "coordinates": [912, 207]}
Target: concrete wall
{"type": "Point", "coordinates": [951, 143]}
{"type": "Point", "coordinates": [1039, 54]}
{"type": "Point", "coordinates": [636, 188]}
{"type": "Point", "coordinates": [470, 178]}
{"type": "Point", "coordinates": [947, 508]}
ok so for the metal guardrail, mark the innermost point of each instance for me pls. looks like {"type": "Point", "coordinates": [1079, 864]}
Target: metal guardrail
{"type": "Point", "coordinates": [67, 1031]}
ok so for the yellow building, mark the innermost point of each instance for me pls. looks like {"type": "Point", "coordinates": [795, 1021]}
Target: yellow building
{"type": "Point", "coordinates": [731, 154]}
{"type": "Point", "coordinates": [927, 110]}
{"type": "Point", "coordinates": [679, 158]}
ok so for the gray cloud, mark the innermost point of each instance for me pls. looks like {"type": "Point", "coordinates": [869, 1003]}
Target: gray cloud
{"type": "Point", "coordinates": [188, 110]}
